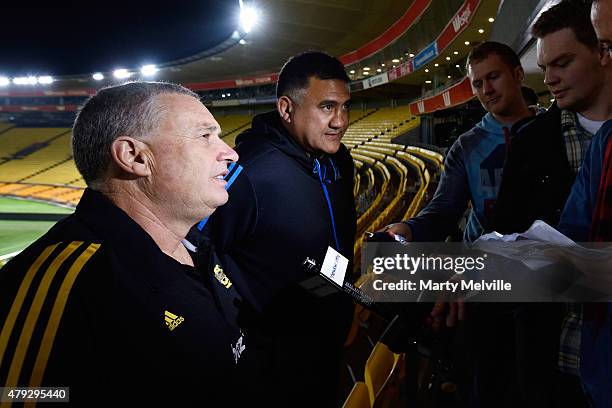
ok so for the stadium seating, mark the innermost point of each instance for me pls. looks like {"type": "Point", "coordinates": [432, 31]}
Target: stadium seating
{"type": "Point", "coordinates": [395, 177]}
{"type": "Point", "coordinates": [232, 126]}
{"type": "Point", "coordinates": [359, 397]}
{"type": "Point", "coordinates": [381, 372]}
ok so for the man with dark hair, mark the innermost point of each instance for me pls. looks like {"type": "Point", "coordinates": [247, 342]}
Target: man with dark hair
{"type": "Point", "coordinates": [577, 217]}
{"type": "Point", "coordinates": [293, 200]}
{"type": "Point", "coordinates": [472, 169]}
{"type": "Point", "coordinates": [110, 302]}
{"type": "Point", "coordinates": [532, 188]}
{"type": "Point", "coordinates": [546, 153]}
{"type": "Point", "coordinates": [588, 216]}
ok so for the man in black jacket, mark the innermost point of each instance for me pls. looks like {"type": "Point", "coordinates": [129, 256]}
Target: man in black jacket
{"type": "Point", "coordinates": [110, 303]}
{"type": "Point", "coordinates": [293, 200]}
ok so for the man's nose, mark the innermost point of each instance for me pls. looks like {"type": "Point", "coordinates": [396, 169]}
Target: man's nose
{"type": "Point", "coordinates": [227, 153]}
{"type": "Point", "coordinates": [340, 119]}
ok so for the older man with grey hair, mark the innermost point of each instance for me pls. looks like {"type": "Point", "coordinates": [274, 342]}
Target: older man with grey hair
{"type": "Point", "coordinates": [109, 302]}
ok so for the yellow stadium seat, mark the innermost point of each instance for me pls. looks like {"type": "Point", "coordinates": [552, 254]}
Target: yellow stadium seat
{"type": "Point", "coordinates": [358, 397]}
{"type": "Point", "coordinates": [382, 373]}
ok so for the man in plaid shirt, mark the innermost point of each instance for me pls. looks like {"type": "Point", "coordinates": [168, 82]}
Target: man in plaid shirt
{"type": "Point", "coordinates": [588, 216]}
{"type": "Point", "coordinates": [545, 156]}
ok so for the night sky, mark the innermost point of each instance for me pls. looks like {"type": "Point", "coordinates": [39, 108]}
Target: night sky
{"type": "Point", "coordinates": [67, 38]}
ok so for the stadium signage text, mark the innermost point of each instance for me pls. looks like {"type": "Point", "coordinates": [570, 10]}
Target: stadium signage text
{"type": "Point", "coordinates": [462, 19]}
{"type": "Point", "coordinates": [427, 54]}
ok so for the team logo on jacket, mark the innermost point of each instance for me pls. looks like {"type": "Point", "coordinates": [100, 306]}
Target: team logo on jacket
{"type": "Point", "coordinates": [172, 320]}
{"type": "Point", "coordinates": [221, 277]}
{"type": "Point", "coordinates": [239, 347]}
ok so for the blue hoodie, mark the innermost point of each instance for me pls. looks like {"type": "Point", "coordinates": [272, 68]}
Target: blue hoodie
{"type": "Point", "coordinates": [472, 172]}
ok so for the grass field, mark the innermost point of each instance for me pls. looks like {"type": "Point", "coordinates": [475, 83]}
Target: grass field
{"type": "Point", "coordinates": [13, 205]}
{"type": "Point", "coordinates": [16, 235]}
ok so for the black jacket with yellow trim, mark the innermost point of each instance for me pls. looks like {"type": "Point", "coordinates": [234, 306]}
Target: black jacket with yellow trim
{"type": "Point", "coordinates": [95, 305]}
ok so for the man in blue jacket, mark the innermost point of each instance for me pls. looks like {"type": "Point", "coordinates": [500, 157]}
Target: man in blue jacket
{"type": "Point", "coordinates": [578, 213]}
{"type": "Point", "coordinates": [473, 166]}
{"type": "Point", "coordinates": [587, 216]}
{"type": "Point", "coordinates": [473, 172]}
{"type": "Point", "coordinates": [293, 200]}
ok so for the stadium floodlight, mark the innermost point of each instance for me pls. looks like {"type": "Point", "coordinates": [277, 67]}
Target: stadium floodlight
{"type": "Point", "coordinates": [98, 76]}
{"type": "Point", "coordinates": [467, 43]}
{"type": "Point", "coordinates": [395, 60]}
{"type": "Point", "coordinates": [449, 77]}
{"type": "Point", "coordinates": [480, 30]}
{"type": "Point", "coordinates": [45, 79]}
{"type": "Point", "coordinates": [29, 80]}
{"type": "Point", "coordinates": [426, 69]}
{"type": "Point", "coordinates": [456, 52]}
{"type": "Point", "coordinates": [428, 82]}
{"type": "Point", "coordinates": [457, 66]}
{"type": "Point", "coordinates": [436, 65]}
{"type": "Point", "coordinates": [121, 73]}
{"type": "Point", "coordinates": [248, 16]}
{"type": "Point", "coordinates": [366, 73]}
{"type": "Point", "coordinates": [448, 58]}
{"type": "Point", "coordinates": [242, 41]}
{"type": "Point", "coordinates": [491, 19]}
{"type": "Point", "coordinates": [379, 70]}
{"type": "Point", "coordinates": [352, 71]}
{"type": "Point", "coordinates": [411, 55]}
{"type": "Point", "coordinates": [4, 81]}
{"type": "Point", "coordinates": [148, 70]}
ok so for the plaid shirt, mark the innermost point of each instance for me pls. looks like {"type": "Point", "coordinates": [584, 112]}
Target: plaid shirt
{"type": "Point", "coordinates": [577, 140]}
{"type": "Point", "coordinates": [569, 347]}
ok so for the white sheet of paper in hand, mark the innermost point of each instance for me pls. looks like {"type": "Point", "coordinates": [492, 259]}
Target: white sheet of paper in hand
{"type": "Point", "coordinates": [529, 249]}
{"type": "Point", "coordinates": [539, 231]}
{"type": "Point", "coordinates": [334, 266]}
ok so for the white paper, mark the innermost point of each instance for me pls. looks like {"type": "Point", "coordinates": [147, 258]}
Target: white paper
{"type": "Point", "coordinates": [334, 266]}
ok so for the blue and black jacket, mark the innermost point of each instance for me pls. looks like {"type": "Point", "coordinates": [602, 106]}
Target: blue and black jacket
{"type": "Point", "coordinates": [283, 207]}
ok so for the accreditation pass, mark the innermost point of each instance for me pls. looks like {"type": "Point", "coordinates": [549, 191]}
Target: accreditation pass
{"type": "Point", "coordinates": [34, 394]}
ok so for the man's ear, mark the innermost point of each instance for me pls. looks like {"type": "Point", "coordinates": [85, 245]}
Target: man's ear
{"type": "Point", "coordinates": [519, 74]}
{"type": "Point", "coordinates": [132, 156]}
{"type": "Point", "coordinates": [285, 107]}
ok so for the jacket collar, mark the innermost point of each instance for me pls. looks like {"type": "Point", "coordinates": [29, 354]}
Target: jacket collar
{"type": "Point", "coordinates": [134, 247]}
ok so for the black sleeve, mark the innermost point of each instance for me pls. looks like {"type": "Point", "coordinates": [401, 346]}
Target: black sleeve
{"type": "Point", "coordinates": [438, 219]}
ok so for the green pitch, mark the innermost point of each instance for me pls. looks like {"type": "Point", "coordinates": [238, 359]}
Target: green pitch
{"type": "Point", "coordinates": [13, 205]}
{"type": "Point", "coordinates": [16, 235]}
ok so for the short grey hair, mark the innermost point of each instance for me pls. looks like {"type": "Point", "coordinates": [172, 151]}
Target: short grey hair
{"type": "Point", "coordinates": [130, 109]}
